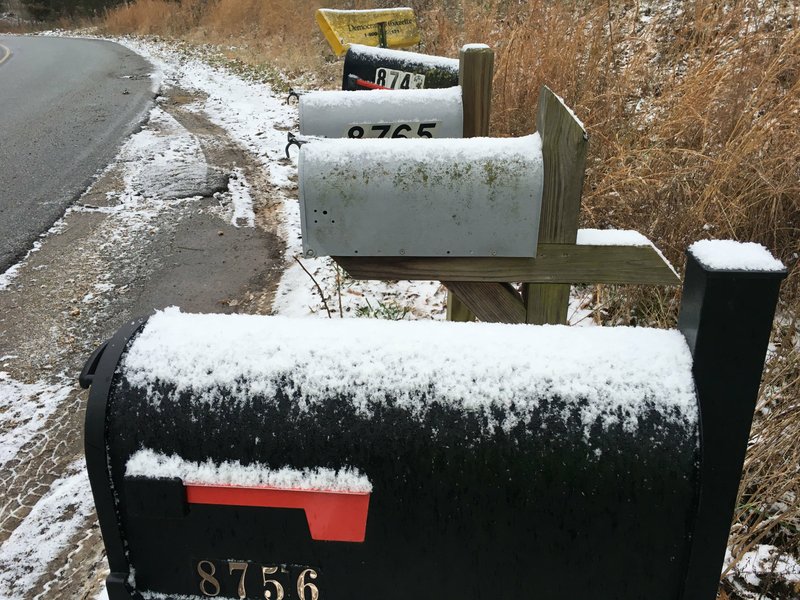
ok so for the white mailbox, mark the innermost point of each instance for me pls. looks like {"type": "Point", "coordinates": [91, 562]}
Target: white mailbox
{"type": "Point", "coordinates": [440, 197]}
{"type": "Point", "coordinates": [436, 113]}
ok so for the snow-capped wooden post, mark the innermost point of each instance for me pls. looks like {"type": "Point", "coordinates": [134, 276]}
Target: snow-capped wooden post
{"type": "Point", "coordinates": [476, 69]}
{"type": "Point", "coordinates": [730, 293]}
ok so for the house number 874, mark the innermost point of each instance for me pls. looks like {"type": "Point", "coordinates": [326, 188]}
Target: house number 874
{"type": "Point", "coordinates": [272, 584]}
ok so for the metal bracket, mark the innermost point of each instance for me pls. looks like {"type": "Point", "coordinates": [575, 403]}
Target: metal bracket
{"type": "Point", "coordinates": [298, 140]}
{"type": "Point", "coordinates": [294, 94]}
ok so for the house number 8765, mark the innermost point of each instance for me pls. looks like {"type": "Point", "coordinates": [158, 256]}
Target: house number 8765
{"type": "Point", "coordinates": [273, 584]}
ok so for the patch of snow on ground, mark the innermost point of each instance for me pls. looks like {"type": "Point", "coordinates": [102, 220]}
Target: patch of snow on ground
{"type": "Point", "coordinates": [53, 522]}
{"type": "Point", "coordinates": [104, 287]}
{"type": "Point", "coordinates": [239, 200]}
{"type": "Point", "coordinates": [162, 166]}
{"type": "Point", "coordinates": [8, 276]}
{"type": "Point", "coordinates": [757, 564]}
{"type": "Point", "coordinates": [164, 160]}
{"type": "Point", "coordinates": [249, 111]}
{"type": "Point", "coordinates": [11, 273]}
{"type": "Point", "coordinates": [147, 463]}
{"type": "Point", "coordinates": [24, 409]}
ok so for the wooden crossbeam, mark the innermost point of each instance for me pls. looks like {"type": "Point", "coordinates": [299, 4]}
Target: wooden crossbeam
{"type": "Point", "coordinates": [554, 264]}
{"type": "Point", "coordinates": [490, 302]}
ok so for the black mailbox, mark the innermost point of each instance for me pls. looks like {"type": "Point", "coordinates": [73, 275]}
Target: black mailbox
{"type": "Point", "coordinates": [366, 67]}
{"type": "Point", "coordinates": [262, 457]}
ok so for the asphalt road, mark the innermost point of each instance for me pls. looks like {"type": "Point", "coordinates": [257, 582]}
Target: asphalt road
{"type": "Point", "coordinates": [65, 107]}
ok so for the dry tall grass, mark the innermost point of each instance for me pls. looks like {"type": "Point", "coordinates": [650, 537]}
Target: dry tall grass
{"type": "Point", "coordinates": [282, 32]}
{"type": "Point", "coordinates": [694, 114]}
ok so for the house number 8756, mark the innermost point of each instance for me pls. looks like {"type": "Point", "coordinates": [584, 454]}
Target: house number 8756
{"type": "Point", "coordinates": [272, 581]}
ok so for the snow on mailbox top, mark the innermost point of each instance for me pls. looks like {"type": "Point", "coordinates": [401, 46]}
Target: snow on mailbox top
{"type": "Point", "coordinates": [386, 100]}
{"type": "Point", "coordinates": [607, 376]}
{"type": "Point", "coordinates": [447, 197]}
{"type": "Point", "coordinates": [729, 255]}
{"type": "Point", "coordinates": [405, 58]}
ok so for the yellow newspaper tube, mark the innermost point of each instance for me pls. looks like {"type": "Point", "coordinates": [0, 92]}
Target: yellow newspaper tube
{"type": "Point", "coordinates": [344, 27]}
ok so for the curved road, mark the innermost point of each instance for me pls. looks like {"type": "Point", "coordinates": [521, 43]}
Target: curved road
{"type": "Point", "coordinates": [65, 107]}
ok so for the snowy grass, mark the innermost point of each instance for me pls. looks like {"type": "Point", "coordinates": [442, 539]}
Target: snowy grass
{"type": "Point", "coordinates": [763, 573]}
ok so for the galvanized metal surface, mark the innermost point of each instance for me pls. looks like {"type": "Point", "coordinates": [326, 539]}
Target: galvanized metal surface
{"type": "Point", "coordinates": [333, 113]}
{"type": "Point", "coordinates": [425, 198]}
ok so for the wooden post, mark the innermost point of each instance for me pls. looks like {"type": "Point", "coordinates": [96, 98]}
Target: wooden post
{"type": "Point", "coordinates": [457, 310]}
{"type": "Point", "coordinates": [489, 302]}
{"type": "Point", "coordinates": [564, 145]}
{"type": "Point", "coordinates": [475, 73]}
{"type": "Point", "coordinates": [476, 68]}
